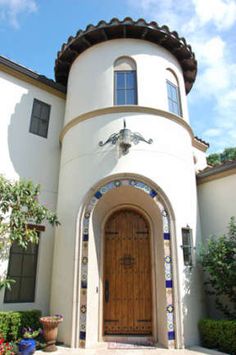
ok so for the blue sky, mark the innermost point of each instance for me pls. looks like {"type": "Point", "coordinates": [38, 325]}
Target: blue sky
{"type": "Point", "coordinates": [32, 31]}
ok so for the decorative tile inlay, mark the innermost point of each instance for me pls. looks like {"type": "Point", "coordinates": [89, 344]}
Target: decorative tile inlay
{"type": "Point", "coordinates": [166, 236]}
{"type": "Point", "coordinates": [85, 260]}
{"type": "Point", "coordinates": [167, 254]}
{"type": "Point", "coordinates": [170, 308]}
{"type": "Point", "coordinates": [83, 309]}
{"type": "Point", "coordinates": [153, 193]}
{"type": "Point", "coordinates": [169, 284]}
{"type": "Point", "coordinates": [98, 194]}
{"type": "Point", "coordinates": [171, 335]}
{"type": "Point", "coordinates": [82, 335]}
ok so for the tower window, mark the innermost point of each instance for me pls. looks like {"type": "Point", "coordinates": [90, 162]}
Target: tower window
{"type": "Point", "coordinates": [22, 269]}
{"type": "Point", "coordinates": [40, 118]}
{"type": "Point", "coordinates": [125, 88]}
{"type": "Point", "coordinates": [173, 98]}
{"type": "Point", "coordinates": [125, 82]}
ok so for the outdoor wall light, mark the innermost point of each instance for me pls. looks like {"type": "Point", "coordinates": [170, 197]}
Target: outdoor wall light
{"type": "Point", "coordinates": [124, 138]}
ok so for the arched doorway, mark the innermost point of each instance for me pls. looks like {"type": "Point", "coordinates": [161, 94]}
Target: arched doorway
{"type": "Point", "coordinates": [127, 281]}
{"type": "Point", "coordinates": [116, 194]}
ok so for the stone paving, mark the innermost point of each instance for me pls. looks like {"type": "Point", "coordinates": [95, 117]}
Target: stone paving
{"type": "Point", "coordinates": [102, 350]}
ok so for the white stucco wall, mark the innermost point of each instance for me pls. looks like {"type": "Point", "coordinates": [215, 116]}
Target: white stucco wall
{"type": "Point", "coordinates": [91, 84]}
{"type": "Point", "coordinates": [168, 162]}
{"type": "Point", "coordinates": [217, 204]}
{"type": "Point", "coordinates": [200, 159]}
{"type": "Point", "coordinates": [26, 155]}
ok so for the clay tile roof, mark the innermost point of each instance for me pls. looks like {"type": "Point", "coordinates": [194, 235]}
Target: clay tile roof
{"type": "Point", "coordinates": [213, 170]}
{"type": "Point", "coordinates": [202, 141]}
{"type": "Point", "coordinates": [5, 62]}
{"type": "Point", "coordinates": [127, 28]}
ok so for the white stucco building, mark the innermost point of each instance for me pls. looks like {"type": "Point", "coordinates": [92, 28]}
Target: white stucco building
{"type": "Point", "coordinates": [134, 202]}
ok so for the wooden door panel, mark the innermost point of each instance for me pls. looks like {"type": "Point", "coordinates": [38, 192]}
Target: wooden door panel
{"type": "Point", "coordinates": [127, 274]}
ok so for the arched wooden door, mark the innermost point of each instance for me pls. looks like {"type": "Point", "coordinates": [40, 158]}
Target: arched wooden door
{"type": "Point", "coordinates": [127, 279]}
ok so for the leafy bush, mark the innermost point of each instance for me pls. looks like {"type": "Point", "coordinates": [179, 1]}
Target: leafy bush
{"type": "Point", "coordinates": [219, 262]}
{"type": "Point", "coordinates": [11, 323]}
{"type": "Point", "coordinates": [219, 334]}
{"type": "Point", "coordinates": [20, 211]}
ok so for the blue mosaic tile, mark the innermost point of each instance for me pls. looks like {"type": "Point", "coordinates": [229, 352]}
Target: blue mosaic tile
{"type": "Point", "coordinates": [117, 183]}
{"type": "Point", "coordinates": [164, 213]}
{"type": "Point", "coordinates": [85, 237]}
{"type": "Point", "coordinates": [83, 309]}
{"type": "Point", "coordinates": [82, 335]}
{"type": "Point", "coordinates": [98, 195]}
{"type": "Point", "coordinates": [141, 185]}
{"type": "Point", "coordinates": [83, 284]}
{"type": "Point", "coordinates": [85, 260]}
{"type": "Point", "coordinates": [170, 308]}
{"type": "Point", "coordinates": [169, 284]}
{"type": "Point", "coordinates": [87, 215]}
{"type": "Point", "coordinates": [166, 236]}
{"type": "Point", "coordinates": [170, 326]}
{"type": "Point", "coordinates": [132, 182]}
{"type": "Point", "coordinates": [168, 259]}
{"type": "Point", "coordinates": [171, 335]}
{"type": "Point", "coordinates": [153, 193]}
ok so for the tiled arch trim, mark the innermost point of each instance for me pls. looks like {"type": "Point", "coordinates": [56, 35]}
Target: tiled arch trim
{"type": "Point", "coordinates": [116, 184]}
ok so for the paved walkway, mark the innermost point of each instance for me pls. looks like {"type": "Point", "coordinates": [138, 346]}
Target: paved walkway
{"type": "Point", "coordinates": [102, 350]}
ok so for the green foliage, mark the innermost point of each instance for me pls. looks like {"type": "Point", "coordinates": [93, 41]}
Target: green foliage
{"type": "Point", "coordinates": [228, 154]}
{"type": "Point", "coordinates": [20, 208]}
{"type": "Point", "coordinates": [214, 159]}
{"type": "Point", "coordinates": [218, 334]}
{"type": "Point", "coordinates": [6, 283]}
{"type": "Point", "coordinates": [219, 262]}
{"type": "Point", "coordinates": [11, 323]}
{"type": "Point", "coordinates": [218, 158]}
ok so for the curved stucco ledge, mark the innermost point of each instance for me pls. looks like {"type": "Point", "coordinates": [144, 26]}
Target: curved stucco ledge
{"type": "Point", "coordinates": [126, 109]}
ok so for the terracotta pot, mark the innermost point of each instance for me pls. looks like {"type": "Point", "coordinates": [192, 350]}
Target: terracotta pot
{"type": "Point", "coordinates": [50, 329]}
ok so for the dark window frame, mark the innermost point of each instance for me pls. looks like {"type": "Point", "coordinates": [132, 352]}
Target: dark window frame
{"type": "Point", "coordinates": [171, 101]}
{"type": "Point", "coordinates": [187, 246]}
{"type": "Point", "coordinates": [125, 89]}
{"type": "Point", "coordinates": [21, 277]}
{"type": "Point", "coordinates": [37, 121]}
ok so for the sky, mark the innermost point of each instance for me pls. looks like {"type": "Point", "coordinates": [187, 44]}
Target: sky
{"type": "Point", "coordinates": [32, 31]}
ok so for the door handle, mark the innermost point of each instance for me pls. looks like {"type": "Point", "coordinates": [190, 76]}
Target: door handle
{"type": "Point", "coordinates": [107, 291]}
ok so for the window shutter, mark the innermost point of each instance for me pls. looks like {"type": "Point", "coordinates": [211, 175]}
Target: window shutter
{"type": "Point", "coordinates": [40, 118]}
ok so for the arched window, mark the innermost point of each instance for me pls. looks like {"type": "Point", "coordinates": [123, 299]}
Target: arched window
{"type": "Point", "coordinates": [125, 81]}
{"type": "Point", "coordinates": [174, 102]}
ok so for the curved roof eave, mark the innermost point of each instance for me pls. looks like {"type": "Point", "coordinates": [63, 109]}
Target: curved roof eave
{"type": "Point", "coordinates": [127, 28]}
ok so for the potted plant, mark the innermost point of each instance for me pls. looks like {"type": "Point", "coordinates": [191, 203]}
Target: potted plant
{"type": "Point", "coordinates": [27, 345]}
{"type": "Point", "coordinates": [50, 329]}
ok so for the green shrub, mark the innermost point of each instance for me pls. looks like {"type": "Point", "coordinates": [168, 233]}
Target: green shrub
{"type": "Point", "coordinates": [11, 323]}
{"type": "Point", "coordinates": [219, 334]}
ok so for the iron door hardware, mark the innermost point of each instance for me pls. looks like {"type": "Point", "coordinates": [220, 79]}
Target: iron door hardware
{"type": "Point", "coordinates": [107, 291]}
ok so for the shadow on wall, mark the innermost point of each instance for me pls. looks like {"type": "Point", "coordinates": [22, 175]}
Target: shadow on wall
{"type": "Point", "coordinates": [33, 157]}
{"type": "Point", "coordinates": [20, 151]}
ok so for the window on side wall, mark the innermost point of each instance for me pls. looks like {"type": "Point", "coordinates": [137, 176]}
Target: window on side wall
{"type": "Point", "coordinates": [22, 268]}
{"type": "Point", "coordinates": [40, 118]}
{"type": "Point", "coordinates": [187, 246]}
{"type": "Point", "coordinates": [125, 82]}
{"type": "Point", "coordinates": [174, 102]}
